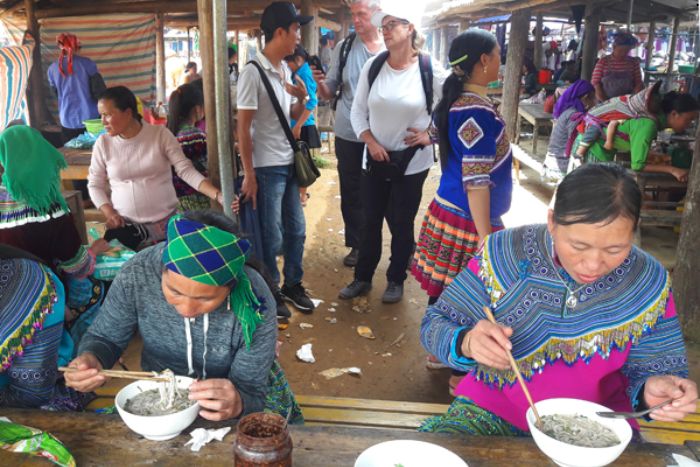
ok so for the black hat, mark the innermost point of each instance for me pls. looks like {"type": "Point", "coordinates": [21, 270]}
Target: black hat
{"type": "Point", "coordinates": [281, 15]}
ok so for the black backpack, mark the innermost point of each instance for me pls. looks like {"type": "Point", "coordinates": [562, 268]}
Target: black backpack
{"type": "Point", "coordinates": [344, 52]}
{"type": "Point", "coordinates": [426, 75]}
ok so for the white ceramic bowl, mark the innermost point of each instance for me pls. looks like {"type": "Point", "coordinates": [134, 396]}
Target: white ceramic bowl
{"type": "Point", "coordinates": [408, 453]}
{"type": "Point", "coordinates": [159, 427]}
{"type": "Point", "coordinates": [568, 455]}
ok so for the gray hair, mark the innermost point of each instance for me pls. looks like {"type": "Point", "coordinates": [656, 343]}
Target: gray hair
{"type": "Point", "coordinates": [376, 4]}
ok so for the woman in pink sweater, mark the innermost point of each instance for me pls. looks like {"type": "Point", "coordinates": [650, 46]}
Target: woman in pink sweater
{"type": "Point", "coordinates": [130, 177]}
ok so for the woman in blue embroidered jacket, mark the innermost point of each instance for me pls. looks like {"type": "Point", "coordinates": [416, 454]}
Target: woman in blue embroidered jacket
{"type": "Point", "coordinates": [586, 314]}
{"type": "Point", "coordinates": [476, 184]}
{"type": "Point", "coordinates": [32, 303]}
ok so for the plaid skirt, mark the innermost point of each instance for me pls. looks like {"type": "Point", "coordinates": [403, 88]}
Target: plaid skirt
{"type": "Point", "coordinates": [448, 240]}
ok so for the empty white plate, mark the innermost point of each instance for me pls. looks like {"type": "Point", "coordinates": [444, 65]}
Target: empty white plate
{"type": "Point", "coordinates": [407, 453]}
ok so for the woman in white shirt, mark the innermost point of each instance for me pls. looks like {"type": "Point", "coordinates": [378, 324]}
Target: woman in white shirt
{"type": "Point", "coordinates": [130, 177]}
{"type": "Point", "coordinates": [391, 115]}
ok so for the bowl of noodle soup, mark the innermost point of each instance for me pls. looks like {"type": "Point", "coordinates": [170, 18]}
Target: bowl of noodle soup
{"type": "Point", "coordinates": [152, 425]}
{"type": "Point", "coordinates": [575, 421]}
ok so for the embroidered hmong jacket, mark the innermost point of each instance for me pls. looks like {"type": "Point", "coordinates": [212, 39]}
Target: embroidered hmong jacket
{"type": "Point", "coordinates": [479, 155]}
{"type": "Point", "coordinates": [623, 330]}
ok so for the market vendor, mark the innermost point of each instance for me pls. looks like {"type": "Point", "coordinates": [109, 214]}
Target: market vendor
{"type": "Point", "coordinates": [586, 314]}
{"type": "Point", "coordinates": [130, 178]}
{"type": "Point", "coordinates": [202, 312]}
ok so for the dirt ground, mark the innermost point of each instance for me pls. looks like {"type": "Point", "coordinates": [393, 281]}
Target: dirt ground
{"type": "Point", "coordinates": [393, 363]}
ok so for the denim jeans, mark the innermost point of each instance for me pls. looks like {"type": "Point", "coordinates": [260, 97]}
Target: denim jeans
{"type": "Point", "coordinates": [282, 223]}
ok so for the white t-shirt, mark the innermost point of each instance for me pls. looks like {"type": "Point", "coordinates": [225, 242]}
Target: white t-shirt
{"type": "Point", "coordinates": [395, 103]}
{"type": "Point", "coordinates": [270, 145]}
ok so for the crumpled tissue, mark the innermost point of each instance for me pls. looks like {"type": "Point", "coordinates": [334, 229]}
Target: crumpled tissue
{"type": "Point", "coordinates": [305, 354]}
{"type": "Point", "coordinates": [683, 461]}
{"type": "Point", "coordinates": [202, 436]}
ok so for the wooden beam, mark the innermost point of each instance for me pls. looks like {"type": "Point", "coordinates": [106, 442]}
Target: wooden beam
{"type": "Point", "coordinates": [538, 40]}
{"type": "Point", "coordinates": [35, 90]}
{"type": "Point", "coordinates": [309, 34]}
{"type": "Point", "coordinates": [444, 46]}
{"type": "Point", "coordinates": [160, 59]}
{"type": "Point", "coordinates": [206, 50]}
{"type": "Point", "coordinates": [685, 284]}
{"type": "Point", "coordinates": [650, 45]}
{"type": "Point", "coordinates": [672, 48]}
{"type": "Point", "coordinates": [590, 41]}
{"type": "Point", "coordinates": [519, 25]}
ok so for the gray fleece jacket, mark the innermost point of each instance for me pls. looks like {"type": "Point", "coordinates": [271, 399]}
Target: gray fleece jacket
{"type": "Point", "coordinates": [136, 302]}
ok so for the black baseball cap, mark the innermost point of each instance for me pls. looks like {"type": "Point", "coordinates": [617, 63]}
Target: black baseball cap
{"type": "Point", "coordinates": [281, 15]}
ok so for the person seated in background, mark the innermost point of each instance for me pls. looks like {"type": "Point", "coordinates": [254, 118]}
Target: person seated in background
{"type": "Point", "coordinates": [531, 84]}
{"type": "Point", "coordinates": [130, 178]}
{"type": "Point", "coordinates": [570, 110]}
{"type": "Point", "coordinates": [585, 313]}
{"type": "Point", "coordinates": [567, 73]}
{"type": "Point", "coordinates": [35, 218]}
{"type": "Point", "coordinates": [196, 291]}
{"type": "Point", "coordinates": [32, 304]}
{"type": "Point", "coordinates": [191, 73]}
{"type": "Point", "coordinates": [185, 109]}
{"type": "Point", "coordinates": [635, 135]}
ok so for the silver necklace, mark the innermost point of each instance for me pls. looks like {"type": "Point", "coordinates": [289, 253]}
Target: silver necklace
{"type": "Point", "coordinates": [570, 300]}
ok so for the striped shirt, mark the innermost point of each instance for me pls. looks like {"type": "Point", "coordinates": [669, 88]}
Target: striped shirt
{"type": "Point", "coordinates": [610, 64]}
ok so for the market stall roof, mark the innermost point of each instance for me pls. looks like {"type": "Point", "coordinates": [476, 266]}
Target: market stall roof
{"type": "Point", "coordinates": [242, 14]}
{"type": "Point", "coordinates": [454, 11]}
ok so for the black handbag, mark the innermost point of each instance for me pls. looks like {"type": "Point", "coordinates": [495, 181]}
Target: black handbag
{"type": "Point", "coordinates": [304, 166]}
{"type": "Point", "coordinates": [397, 165]}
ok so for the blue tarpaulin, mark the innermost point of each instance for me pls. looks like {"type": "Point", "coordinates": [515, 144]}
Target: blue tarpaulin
{"type": "Point", "coordinates": [494, 19]}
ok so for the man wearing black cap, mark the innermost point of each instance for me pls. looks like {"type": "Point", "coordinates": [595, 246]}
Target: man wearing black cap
{"type": "Point", "coordinates": [269, 180]}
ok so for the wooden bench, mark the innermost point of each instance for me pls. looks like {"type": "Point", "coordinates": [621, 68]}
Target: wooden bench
{"type": "Point", "coordinates": [372, 413]}
{"type": "Point", "coordinates": [537, 117]}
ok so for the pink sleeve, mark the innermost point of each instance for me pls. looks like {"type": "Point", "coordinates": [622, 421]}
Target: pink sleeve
{"type": "Point", "coordinates": [670, 307]}
{"type": "Point", "coordinates": [598, 71]}
{"type": "Point", "coordinates": [182, 165]}
{"type": "Point", "coordinates": [98, 180]}
{"type": "Point", "coordinates": [473, 266]}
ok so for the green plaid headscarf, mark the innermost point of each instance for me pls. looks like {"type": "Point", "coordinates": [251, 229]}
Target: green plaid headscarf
{"type": "Point", "coordinates": [213, 256]}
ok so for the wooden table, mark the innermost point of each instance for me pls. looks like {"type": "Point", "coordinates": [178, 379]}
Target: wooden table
{"type": "Point", "coordinates": [535, 115]}
{"type": "Point", "coordinates": [104, 440]}
{"type": "Point", "coordinates": [78, 163]}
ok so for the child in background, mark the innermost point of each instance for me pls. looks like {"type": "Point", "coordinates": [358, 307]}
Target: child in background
{"type": "Point", "coordinates": [185, 109]}
{"type": "Point", "coordinates": [305, 128]}
{"type": "Point", "coordinates": [593, 133]}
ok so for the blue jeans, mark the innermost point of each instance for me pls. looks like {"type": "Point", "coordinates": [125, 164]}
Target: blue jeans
{"type": "Point", "coordinates": [282, 222]}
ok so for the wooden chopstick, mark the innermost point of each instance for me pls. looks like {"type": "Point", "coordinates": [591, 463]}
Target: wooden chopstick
{"type": "Point", "coordinates": [515, 368]}
{"type": "Point", "coordinates": [120, 374]}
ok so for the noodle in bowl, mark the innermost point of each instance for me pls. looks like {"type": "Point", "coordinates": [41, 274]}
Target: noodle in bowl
{"type": "Point", "coordinates": [156, 427]}
{"type": "Point", "coordinates": [569, 455]}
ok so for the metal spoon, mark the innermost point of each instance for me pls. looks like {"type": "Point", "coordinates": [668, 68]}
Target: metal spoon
{"type": "Point", "coordinates": [638, 414]}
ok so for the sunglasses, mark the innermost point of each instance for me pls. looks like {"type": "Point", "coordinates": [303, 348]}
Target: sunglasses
{"type": "Point", "coordinates": [390, 25]}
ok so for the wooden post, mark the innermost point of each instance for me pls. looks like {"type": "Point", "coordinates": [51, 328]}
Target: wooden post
{"type": "Point", "coordinates": [685, 284]}
{"type": "Point", "coordinates": [35, 90]}
{"type": "Point", "coordinates": [259, 39]}
{"type": "Point", "coordinates": [435, 46]}
{"type": "Point", "coordinates": [206, 51]}
{"type": "Point", "coordinates": [463, 25]}
{"type": "Point", "coordinates": [590, 41]}
{"type": "Point", "coordinates": [160, 59]}
{"type": "Point", "coordinates": [650, 45]}
{"type": "Point", "coordinates": [538, 41]}
{"type": "Point", "coordinates": [672, 49]}
{"type": "Point", "coordinates": [309, 34]}
{"type": "Point", "coordinates": [519, 25]}
{"type": "Point", "coordinates": [444, 46]}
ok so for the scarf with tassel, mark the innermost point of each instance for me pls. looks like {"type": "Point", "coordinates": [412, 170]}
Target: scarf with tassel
{"type": "Point", "coordinates": [32, 169]}
{"type": "Point", "coordinates": [212, 256]}
{"type": "Point", "coordinates": [69, 45]}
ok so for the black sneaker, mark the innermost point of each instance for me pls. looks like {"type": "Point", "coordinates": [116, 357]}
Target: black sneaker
{"type": "Point", "coordinates": [296, 295]}
{"type": "Point", "coordinates": [351, 259]}
{"type": "Point", "coordinates": [355, 289]}
{"type": "Point", "coordinates": [393, 293]}
{"type": "Point", "coordinates": [282, 310]}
